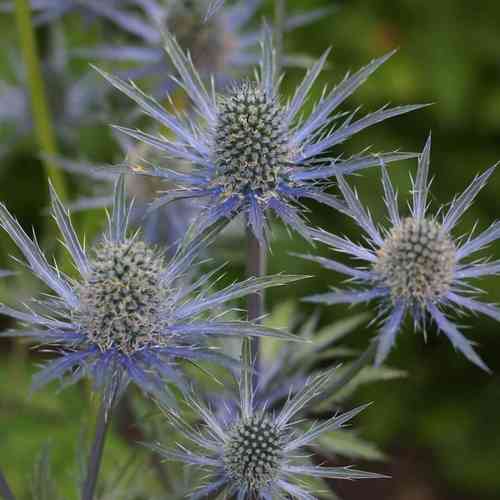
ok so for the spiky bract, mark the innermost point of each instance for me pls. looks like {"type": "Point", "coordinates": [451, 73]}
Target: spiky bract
{"type": "Point", "coordinates": [164, 227]}
{"type": "Point", "coordinates": [254, 453]}
{"type": "Point", "coordinates": [219, 38]}
{"type": "Point", "coordinates": [132, 314]}
{"type": "Point", "coordinates": [251, 152]}
{"type": "Point", "coordinates": [417, 266]}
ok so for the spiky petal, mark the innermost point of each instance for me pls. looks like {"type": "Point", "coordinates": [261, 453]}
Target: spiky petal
{"type": "Point", "coordinates": [251, 153]}
{"type": "Point", "coordinates": [132, 313]}
{"type": "Point", "coordinates": [418, 267]}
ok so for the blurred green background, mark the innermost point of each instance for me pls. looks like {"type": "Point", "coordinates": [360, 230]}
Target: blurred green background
{"type": "Point", "coordinates": [439, 426]}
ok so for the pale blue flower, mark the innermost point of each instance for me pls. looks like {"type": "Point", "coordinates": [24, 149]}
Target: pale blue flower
{"type": "Point", "coordinates": [129, 316]}
{"type": "Point", "coordinates": [256, 453]}
{"type": "Point", "coordinates": [250, 152]}
{"type": "Point", "coordinates": [219, 37]}
{"type": "Point", "coordinates": [416, 266]}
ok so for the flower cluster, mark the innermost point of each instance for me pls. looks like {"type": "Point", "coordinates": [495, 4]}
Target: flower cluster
{"type": "Point", "coordinates": [143, 307]}
{"type": "Point", "coordinates": [220, 38]}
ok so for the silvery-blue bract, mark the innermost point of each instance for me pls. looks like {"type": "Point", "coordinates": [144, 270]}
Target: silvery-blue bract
{"type": "Point", "coordinates": [250, 152]}
{"type": "Point", "coordinates": [416, 266]}
{"type": "Point", "coordinates": [129, 316]}
{"type": "Point", "coordinates": [219, 37]}
{"type": "Point", "coordinates": [254, 453]}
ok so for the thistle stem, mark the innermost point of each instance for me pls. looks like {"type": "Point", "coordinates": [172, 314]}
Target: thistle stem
{"type": "Point", "coordinates": [94, 464]}
{"type": "Point", "coordinates": [41, 114]}
{"type": "Point", "coordinates": [5, 490]}
{"type": "Point", "coordinates": [256, 266]}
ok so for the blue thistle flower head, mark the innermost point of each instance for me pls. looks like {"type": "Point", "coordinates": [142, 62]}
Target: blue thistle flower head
{"type": "Point", "coordinates": [256, 453]}
{"type": "Point", "coordinates": [417, 266]}
{"type": "Point", "coordinates": [218, 36]}
{"type": "Point", "coordinates": [250, 152]}
{"type": "Point", "coordinates": [130, 316]}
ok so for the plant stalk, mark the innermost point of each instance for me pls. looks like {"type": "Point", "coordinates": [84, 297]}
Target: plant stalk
{"type": "Point", "coordinates": [95, 459]}
{"type": "Point", "coordinates": [5, 490]}
{"type": "Point", "coordinates": [256, 266]}
{"type": "Point", "coordinates": [41, 114]}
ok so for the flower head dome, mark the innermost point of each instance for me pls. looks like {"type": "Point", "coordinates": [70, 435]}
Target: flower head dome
{"type": "Point", "coordinates": [130, 316]}
{"type": "Point", "coordinates": [250, 152]}
{"type": "Point", "coordinates": [416, 266]}
{"type": "Point", "coordinates": [255, 453]}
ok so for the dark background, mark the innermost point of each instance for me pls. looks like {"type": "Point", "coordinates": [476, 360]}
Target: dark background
{"type": "Point", "coordinates": [439, 426]}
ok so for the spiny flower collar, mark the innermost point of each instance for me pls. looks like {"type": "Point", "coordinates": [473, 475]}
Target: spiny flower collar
{"type": "Point", "coordinates": [132, 314]}
{"type": "Point", "coordinates": [250, 152]}
{"type": "Point", "coordinates": [417, 266]}
{"type": "Point", "coordinates": [257, 454]}
{"type": "Point", "coordinates": [219, 36]}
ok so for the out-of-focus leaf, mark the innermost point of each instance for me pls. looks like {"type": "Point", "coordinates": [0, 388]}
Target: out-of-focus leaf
{"type": "Point", "coordinates": [349, 445]}
{"type": "Point", "coordinates": [369, 374]}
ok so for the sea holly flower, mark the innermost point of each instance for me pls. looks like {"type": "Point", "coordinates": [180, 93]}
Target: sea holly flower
{"type": "Point", "coordinates": [129, 317]}
{"type": "Point", "coordinates": [218, 36]}
{"type": "Point", "coordinates": [285, 368]}
{"type": "Point", "coordinates": [416, 266]}
{"type": "Point", "coordinates": [250, 152]}
{"type": "Point", "coordinates": [255, 453]}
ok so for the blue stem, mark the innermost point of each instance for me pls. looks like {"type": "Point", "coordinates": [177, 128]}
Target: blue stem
{"type": "Point", "coordinates": [256, 266]}
{"type": "Point", "coordinates": [95, 459]}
